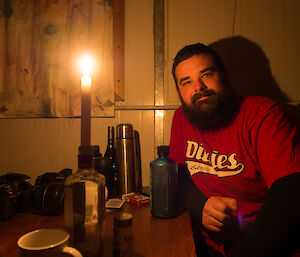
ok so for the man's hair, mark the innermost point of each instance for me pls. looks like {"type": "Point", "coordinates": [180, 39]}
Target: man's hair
{"type": "Point", "coordinates": [196, 49]}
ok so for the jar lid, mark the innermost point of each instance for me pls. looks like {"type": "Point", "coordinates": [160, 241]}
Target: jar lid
{"type": "Point", "coordinates": [123, 219]}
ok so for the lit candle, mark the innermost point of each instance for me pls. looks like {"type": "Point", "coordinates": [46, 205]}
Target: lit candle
{"type": "Point", "coordinates": [86, 82]}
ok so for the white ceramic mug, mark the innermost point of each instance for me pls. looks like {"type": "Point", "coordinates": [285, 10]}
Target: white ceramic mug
{"type": "Point", "coordinates": [46, 242]}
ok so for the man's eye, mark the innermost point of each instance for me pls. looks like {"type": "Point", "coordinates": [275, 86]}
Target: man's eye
{"type": "Point", "coordinates": [186, 82]}
{"type": "Point", "coordinates": [206, 75]}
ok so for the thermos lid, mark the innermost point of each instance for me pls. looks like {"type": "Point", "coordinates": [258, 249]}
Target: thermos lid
{"type": "Point", "coordinates": [124, 131]}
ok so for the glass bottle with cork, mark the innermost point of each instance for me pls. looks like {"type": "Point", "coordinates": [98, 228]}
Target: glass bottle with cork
{"type": "Point", "coordinates": [84, 205]}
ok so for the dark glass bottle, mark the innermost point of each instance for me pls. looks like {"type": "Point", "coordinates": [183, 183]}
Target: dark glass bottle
{"type": "Point", "coordinates": [110, 153]}
{"type": "Point", "coordinates": [164, 202]}
{"type": "Point", "coordinates": [110, 148]}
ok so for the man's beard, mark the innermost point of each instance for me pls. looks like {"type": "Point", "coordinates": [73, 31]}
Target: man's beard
{"type": "Point", "coordinates": [214, 112]}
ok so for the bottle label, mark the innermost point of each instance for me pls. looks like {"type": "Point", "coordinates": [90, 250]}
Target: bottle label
{"type": "Point", "coordinates": [91, 204]}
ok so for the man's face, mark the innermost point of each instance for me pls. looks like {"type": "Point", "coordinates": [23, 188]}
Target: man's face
{"type": "Point", "coordinates": [208, 101]}
{"type": "Point", "coordinates": [198, 80]}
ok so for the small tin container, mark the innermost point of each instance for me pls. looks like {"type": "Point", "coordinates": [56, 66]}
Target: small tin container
{"type": "Point", "coordinates": [123, 235]}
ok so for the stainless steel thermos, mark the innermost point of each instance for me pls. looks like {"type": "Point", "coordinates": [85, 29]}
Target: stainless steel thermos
{"type": "Point", "coordinates": [125, 158]}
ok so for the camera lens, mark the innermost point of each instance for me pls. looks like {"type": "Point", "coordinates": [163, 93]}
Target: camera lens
{"type": "Point", "coordinates": [53, 202]}
{"type": "Point", "coordinates": [49, 198]}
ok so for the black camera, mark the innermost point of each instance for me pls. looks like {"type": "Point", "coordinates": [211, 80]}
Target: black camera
{"type": "Point", "coordinates": [46, 197]}
{"type": "Point", "coordinates": [15, 194]}
{"type": "Point", "coordinates": [48, 193]}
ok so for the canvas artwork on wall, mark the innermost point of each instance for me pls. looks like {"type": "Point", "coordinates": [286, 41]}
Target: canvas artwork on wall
{"type": "Point", "coordinates": [41, 43]}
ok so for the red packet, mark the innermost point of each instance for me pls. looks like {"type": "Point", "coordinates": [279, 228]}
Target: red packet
{"type": "Point", "coordinates": [138, 199]}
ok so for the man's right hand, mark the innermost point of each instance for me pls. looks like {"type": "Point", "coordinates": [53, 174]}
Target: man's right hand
{"type": "Point", "coordinates": [217, 211]}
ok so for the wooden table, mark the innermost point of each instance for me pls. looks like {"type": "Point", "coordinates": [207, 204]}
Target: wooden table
{"type": "Point", "coordinates": [152, 236]}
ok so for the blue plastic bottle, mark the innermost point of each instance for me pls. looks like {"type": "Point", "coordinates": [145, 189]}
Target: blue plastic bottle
{"type": "Point", "coordinates": [164, 185]}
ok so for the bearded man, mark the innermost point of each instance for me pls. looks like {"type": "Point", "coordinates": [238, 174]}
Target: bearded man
{"type": "Point", "coordinates": [241, 159]}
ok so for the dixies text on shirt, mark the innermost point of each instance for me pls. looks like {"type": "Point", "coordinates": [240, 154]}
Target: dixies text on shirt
{"type": "Point", "coordinates": [213, 163]}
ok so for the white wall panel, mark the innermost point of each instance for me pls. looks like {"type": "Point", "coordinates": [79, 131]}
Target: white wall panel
{"type": "Point", "coordinates": [167, 125]}
{"type": "Point", "coordinates": [35, 146]}
{"type": "Point", "coordinates": [274, 26]}
{"type": "Point", "coordinates": [139, 60]}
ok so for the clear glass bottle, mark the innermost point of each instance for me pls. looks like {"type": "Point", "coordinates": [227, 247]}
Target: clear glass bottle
{"type": "Point", "coordinates": [164, 193]}
{"type": "Point", "coordinates": [84, 205]}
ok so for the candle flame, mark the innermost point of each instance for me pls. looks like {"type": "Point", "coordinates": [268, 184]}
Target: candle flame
{"type": "Point", "coordinates": [86, 65]}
